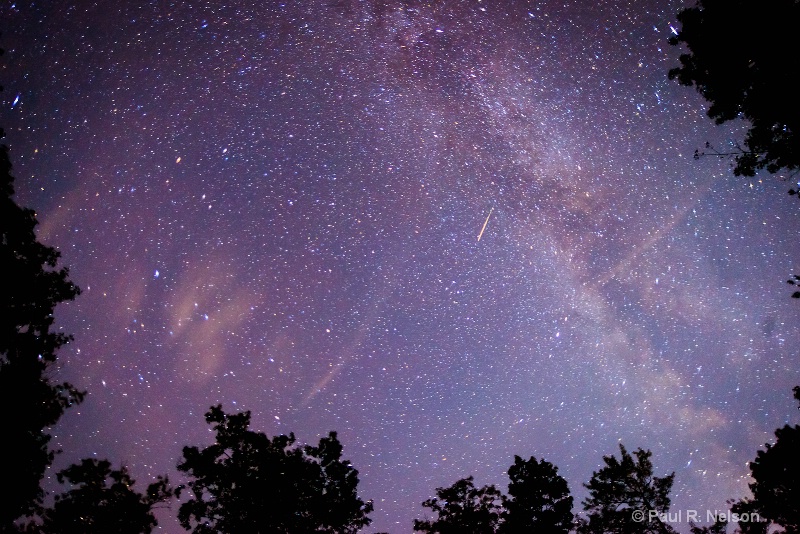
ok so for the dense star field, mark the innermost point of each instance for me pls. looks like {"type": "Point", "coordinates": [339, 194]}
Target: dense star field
{"type": "Point", "coordinates": [277, 206]}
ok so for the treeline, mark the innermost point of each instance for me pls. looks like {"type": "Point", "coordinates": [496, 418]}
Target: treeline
{"type": "Point", "coordinates": [625, 497]}
{"type": "Point", "coordinates": [247, 482]}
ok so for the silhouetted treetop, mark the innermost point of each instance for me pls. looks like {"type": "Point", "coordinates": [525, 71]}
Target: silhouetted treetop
{"type": "Point", "coordinates": [463, 509]}
{"type": "Point", "coordinates": [247, 482]}
{"type": "Point", "coordinates": [776, 482]}
{"type": "Point", "coordinates": [103, 500]}
{"type": "Point", "coordinates": [538, 499]}
{"type": "Point", "coordinates": [743, 57]}
{"type": "Point", "coordinates": [33, 286]}
{"type": "Point", "coordinates": [620, 488]}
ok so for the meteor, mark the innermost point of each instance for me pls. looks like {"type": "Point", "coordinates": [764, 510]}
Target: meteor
{"type": "Point", "coordinates": [485, 223]}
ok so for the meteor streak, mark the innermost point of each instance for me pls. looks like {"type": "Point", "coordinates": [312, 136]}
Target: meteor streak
{"type": "Point", "coordinates": [485, 223]}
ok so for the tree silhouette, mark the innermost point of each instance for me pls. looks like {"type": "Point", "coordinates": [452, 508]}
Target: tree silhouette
{"type": "Point", "coordinates": [463, 509]}
{"type": "Point", "coordinates": [538, 499]}
{"type": "Point", "coordinates": [28, 347]}
{"type": "Point", "coordinates": [625, 497]}
{"type": "Point", "coordinates": [102, 501]}
{"type": "Point", "coordinates": [248, 483]}
{"type": "Point", "coordinates": [776, 482]}
{"type": "Point", "coordinates": [748, 507]}
{"type": "Point", "coordinates": [794, 281]}
{"type": "Point", "coordinates": [743, 56]}
{"type": "Point", "coordinates": [719, 526]}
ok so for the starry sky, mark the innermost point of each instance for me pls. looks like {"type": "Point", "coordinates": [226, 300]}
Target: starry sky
{"type": "Point", "coordinates": [276, 206]}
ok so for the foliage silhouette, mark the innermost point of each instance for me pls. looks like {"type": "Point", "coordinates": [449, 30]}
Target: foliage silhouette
{"type": "Point", "coordinates": [622, 487]}
{"type": "Point", "coordinates": [776, 483]}
{"type": "Point", "coordinates": [249, 483]}
{"type": "Point", "coordinates": [794, 281]}
{"type": "Point", "coordinates": [102, 501]}
{"type": "Point", "coordinates": [28, 347]}
{"type": "Point", "coordinates": [538, 499]}
{"type": "Point", "coordinates": [747, 506]}
{"type": "Point", "coordinates": [719, 526]}
{"type": "Point", "coordinates": [463, 509]}
{"type": "Point", "coordinates": [742, 57]}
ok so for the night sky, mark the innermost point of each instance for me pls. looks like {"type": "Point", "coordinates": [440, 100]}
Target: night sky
{"type": "Point", "coordinates": [276, 207]}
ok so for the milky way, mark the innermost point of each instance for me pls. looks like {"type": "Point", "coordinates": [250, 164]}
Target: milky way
{"type": "Point", "coordinates": [277, 207]}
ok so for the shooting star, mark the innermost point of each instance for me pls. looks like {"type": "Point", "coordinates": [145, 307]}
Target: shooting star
{"type": "Point", "coordinates": [485, 223]}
